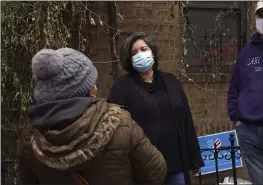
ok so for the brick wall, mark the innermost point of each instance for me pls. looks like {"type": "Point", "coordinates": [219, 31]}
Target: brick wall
{"type": "Point", "coordinates": [207, 99]}
{"type": "Point", "coordinates": [150, 17]}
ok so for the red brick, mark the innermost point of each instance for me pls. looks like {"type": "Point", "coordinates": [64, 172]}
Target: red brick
{"type": "Point", "coordinates": [162, 13]}
{"type": "Point", "coordinates": [139, 13]}
{"type": "Point", "coordinates": [158, 5]}
{"type": "Point", "coordinates": [149, 13]}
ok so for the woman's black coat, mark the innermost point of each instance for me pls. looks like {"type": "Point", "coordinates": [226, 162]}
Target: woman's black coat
{"type": "Point", "coordinates": [135, 99]}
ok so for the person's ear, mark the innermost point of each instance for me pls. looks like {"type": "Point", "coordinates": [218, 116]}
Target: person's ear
{"type": "Point", "coordinates": [93, 91]}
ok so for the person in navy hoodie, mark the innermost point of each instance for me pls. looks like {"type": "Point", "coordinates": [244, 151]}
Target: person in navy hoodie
{"type": "Point", "coordinates": [245, 100]}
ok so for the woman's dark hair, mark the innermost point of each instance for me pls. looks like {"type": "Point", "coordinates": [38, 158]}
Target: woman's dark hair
{"type": "Point", "coordinates": [259, 12]}
{"type": "Point", "coordinates": [125, 51]}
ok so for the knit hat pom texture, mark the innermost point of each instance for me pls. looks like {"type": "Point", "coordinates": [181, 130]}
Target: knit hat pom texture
{"type": "Point", "coordinates": [47, 63]}
{"type": "Point", "coordinates": [62, 74]}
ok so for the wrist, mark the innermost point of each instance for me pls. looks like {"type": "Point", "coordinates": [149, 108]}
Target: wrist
{"type": "Point", "coordinates": [237, 123]}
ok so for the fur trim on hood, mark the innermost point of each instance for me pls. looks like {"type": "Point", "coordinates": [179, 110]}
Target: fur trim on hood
{"type": "Point", "coordinates": [79, 142]}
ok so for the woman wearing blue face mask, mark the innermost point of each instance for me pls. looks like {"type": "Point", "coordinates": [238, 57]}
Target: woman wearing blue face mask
{"type": "Point", "coordinates": [157, 102]}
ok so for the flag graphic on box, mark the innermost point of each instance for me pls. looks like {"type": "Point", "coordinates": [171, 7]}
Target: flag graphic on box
{"type": "Point", "coordinates": [217, 143]}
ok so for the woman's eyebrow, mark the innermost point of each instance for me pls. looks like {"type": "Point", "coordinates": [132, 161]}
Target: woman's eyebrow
{"type": "Point", "coordinates": [134, 50]}
{"type": "Point", "coordinates": [144, 47]}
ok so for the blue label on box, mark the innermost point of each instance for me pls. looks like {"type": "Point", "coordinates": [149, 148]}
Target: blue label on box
{"type": "Point", "coordinates": [224, 156]}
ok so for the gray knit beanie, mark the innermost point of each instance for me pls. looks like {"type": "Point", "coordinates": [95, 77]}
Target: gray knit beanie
{"type": "Point", "coordinates": [62, 74]}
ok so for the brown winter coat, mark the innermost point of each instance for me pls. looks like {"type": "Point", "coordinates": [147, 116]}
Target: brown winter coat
{"type": "Point", "coordinates": [104, 145]}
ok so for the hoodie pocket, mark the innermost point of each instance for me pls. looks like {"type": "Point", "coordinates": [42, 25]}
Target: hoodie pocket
{"type": "Point", "coordinates": [250, 106]}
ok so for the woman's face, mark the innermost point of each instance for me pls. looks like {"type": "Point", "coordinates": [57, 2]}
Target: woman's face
{"type": "Point", "coordinates": [139, 46]}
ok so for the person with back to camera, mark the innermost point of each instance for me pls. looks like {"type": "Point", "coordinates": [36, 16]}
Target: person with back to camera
{"type": "Point", "coordinates": [245, 100]}
{"type": "Point", "coordinates": [159, 105]}
{"type": "Point", "coordinates": [75, 138]}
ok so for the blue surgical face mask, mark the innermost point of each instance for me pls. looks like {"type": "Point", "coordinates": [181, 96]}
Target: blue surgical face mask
{"type": "Point", "coordinates": [143, 61]}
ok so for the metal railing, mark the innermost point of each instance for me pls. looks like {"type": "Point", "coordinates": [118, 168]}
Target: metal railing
{"type": "Point", "coordinates": [232, 149]}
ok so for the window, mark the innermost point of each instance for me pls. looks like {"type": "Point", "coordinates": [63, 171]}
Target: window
{"type": "Point", "coordinates": [218, 34]}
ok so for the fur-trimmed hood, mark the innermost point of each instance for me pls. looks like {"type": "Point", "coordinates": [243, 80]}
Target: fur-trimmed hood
{"type": "Point", "coordinates": [78, 142]}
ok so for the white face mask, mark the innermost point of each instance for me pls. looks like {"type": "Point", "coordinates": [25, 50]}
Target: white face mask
{"type": "Point", "coordinates": [259, 25]}
{"type": "Point", "coordinates": [143, 61]}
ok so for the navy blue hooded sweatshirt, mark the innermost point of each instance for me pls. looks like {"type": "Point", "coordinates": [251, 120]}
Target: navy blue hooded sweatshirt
{"type": "Point", "coordinates": [245, 94]}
